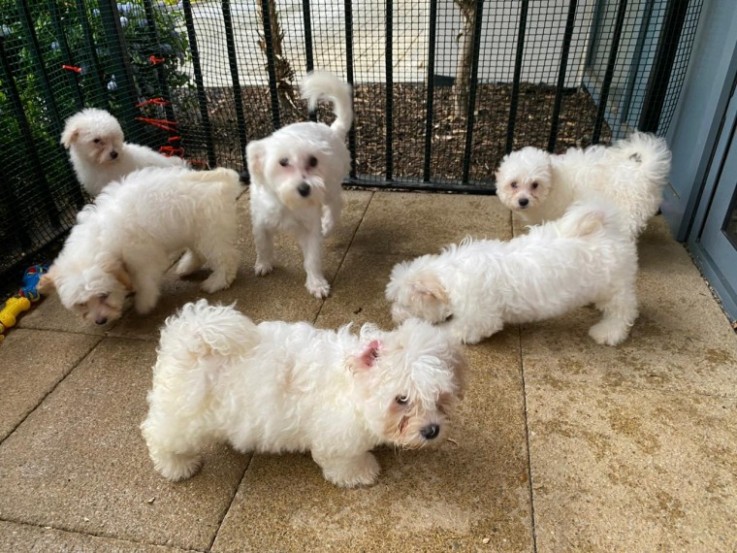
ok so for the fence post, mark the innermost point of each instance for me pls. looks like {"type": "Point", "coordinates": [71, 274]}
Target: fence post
{"type": "Point", "coordinates": [430, 89]}
{"type": "Point", "coordinates": [235, 78]}
{"type": "Point", "coordinates": [471, 117]}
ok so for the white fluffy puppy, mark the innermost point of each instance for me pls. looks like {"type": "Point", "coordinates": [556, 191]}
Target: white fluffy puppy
{"type": "Point", "coordinates": [124, 241]}
{"type": "Point", "coordinates": [631, 174]}
{"type": "Point", "coordinates": [296, 175]}
{"type": "Point", "coordinates": [278, 387]}
{"type": "Point", "coordinates": [477, 286]}
{"type": "Point", "coordinates": [99, 154]}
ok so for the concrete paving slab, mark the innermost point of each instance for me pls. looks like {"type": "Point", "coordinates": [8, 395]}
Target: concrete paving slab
{"type": "Point", "coordinates": [413, 224]}
{"type": "Point", "coordinates": [471, 493]}
{"type": "Point", "coordinates": [32, 363]}
{"type": "Point", "coordinates": [79, 463]}
{"type": "Point", "coordinates": [623, 469]}
{"type": "Point", "coordinates": [681, 342]}
{"type": "Point", "coordinates": [35, 539]}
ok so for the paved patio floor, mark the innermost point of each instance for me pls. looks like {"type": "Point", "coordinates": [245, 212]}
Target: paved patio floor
{"type": "Point", "coordinates": [559, 445]}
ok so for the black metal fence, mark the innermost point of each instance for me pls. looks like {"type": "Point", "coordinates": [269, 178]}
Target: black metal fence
{"type": "Point", "coordinates": [442, 88]}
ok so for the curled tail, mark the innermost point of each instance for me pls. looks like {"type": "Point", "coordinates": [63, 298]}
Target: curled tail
{"type": "Point", "coordinates": [321, 84]}
{"type": "Point", "coordinates": [228, 179]}
{"type": "Point", "coordinates": [653, 155]}
{"type": "Point", "coordinates": [208, 330]}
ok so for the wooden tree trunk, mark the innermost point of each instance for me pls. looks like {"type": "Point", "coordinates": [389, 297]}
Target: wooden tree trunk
{"type": "Point", "coordinates": [282, 67]}
{"type": "Point", "coordinates": [463, 70]}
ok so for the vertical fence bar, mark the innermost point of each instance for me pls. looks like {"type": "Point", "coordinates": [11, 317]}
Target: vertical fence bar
{"type": "Point", "coordinates": [199, 83]}
{"type": "Point", "coordinates": [270, 63]}
{"type": "Point", "coordinates": [657, 84]}
{"type": "Point", "coordinates": [94, 62]}
{"type": "Point", "coordinates": [565, 50]}
{"type": "Point", "coordinates": [237, 92]}
{"type": "Point", "coordinates": [517, 75]}
{"type": "Point", "coordinates": [349, 76]}
{"type": "Point", "coordinates": [121, 64]}
{"type": "Point", "coordinates": [430, 90]}
{"type": "Point", "coordinates": [309, 56]}
{"type": "Point", "coordinates": [160, 67]}
{"type": "Point", "coordinates": [16, 105]}
{"type": "Point", "coordinates": [609, 74]}
{"type": "Point", "coordinates": [471, 119]}
{"type": "Point", "coordinates": [389, 68]}
{"type": "Point", "coordinates": [66, 52]}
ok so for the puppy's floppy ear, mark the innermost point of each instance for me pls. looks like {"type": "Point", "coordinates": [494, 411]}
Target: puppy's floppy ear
{"type": "Point", "coordinates": [255, 157]}
{"type": "Point", "coordinates": [117, 268]}
{"type": "Point", "coordinates": [46, 284]}
{"type": "Point", "coordinates": [367, 358]}
{"type": "Point", "coordinates": [70, 134]}
{"type": "Point", "coordinates": [428, 286]}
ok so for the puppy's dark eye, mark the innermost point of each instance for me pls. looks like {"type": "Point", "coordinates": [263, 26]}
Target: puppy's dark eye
{"type": "Point", "coordinates": [96, 141]}
{"type": "Point", "coordinates": [312, 161]}
{"type": "Point", "coordinates": [401, 400]}
{"type": "Point", "coordinates": [103, 297]}
{"type": "Point", "coordinates": [448, 318]}
{"type": "Point", "coordinates": [283, 162]}
{"type": "Point", "coordinates": [513, 184]}
{"type": "Point", "coordinates": [534, 185]}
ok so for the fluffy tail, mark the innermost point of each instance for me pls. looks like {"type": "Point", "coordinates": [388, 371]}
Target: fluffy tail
{"type": "Point", "coordinates": [321, 84]}
{"type": "Point", "coordinates": [651, 152]}
{"type": "Point", "coordinates": [584, 219]}
{"type": "Point", "coordinates": [207, 330]}
{"type": "Point", "coordinates": [230, 180]}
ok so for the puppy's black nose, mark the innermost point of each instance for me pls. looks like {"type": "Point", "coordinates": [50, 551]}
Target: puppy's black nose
{"type": "Point", "coordinates": [304, 189]}
{"type": "Point", "coordinates": [430, 432]}
{"type": "Point", "coordinates": [100, 320]}
{"type": "Point", "coordinates": [114, 154]}
{"type": "Point", "coordinates": [523, 202]}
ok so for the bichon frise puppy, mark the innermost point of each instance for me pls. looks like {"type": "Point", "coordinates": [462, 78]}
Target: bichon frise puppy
{"type": "Point", "coordinates": [99, 154]}
{"type": "Point", "coordinates": [296, 175]}
{"type": "Point", "coordinates": [477, 286]}
{"type": "Point", "coordinates": [280, 387]}
{"type": "Point", "coordinates": [631, 174]}
{"type": "Point", "coordinates": [125, 240]}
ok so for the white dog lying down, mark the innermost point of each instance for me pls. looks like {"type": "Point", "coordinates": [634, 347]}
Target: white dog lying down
{"type": "Point", "coordinates": [296, 175]}
{"type": "Point", "coordinates": [474, 288]}
{"type": "Point", "coordinates": [279, 387]}
{"type": "Point", "coordinates": [630, 174]}
{"type": "Point", "coordinates": [99, 154]}
{"type": "Point", "coordinates": [125, 240]}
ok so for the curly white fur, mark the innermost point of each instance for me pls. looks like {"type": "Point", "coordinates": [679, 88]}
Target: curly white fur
{"type": "Point", "coordinates": [631, 174]}
{"type": "Point", "coordinates": [296, 175]}
{"type": "Point", "coordinates": [99, 153]}
{"type": "Point", "coordinates": [279, 387]}
{"type": "Point", "coordinates": [474, 288]}
{"type": "Point", "coordinates": [125, 240]}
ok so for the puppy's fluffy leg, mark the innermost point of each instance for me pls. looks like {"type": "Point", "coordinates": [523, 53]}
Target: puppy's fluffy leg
{"type": "Point", "coordinates": [331, 214]}
{"type": "Point", "coordinates": [311, 244]}
{"type": "Point", "coordinates": [471, 330]}
{"type": "Point", "coordinates": [146, 282]}
{"type": "Point", "coordinates": [189, 263]}
{"type": "Point", "coordinates": [620, 312]}
{"type": "Point", "coordinates": [263, 238]}
{"type": "Point", "coordinates": [348, 472]}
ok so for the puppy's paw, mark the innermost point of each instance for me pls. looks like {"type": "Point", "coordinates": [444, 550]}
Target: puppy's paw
{"type": "Point", "coordinates": [177, 467]}
{"type": "Point", "coordinates": [318, 287]}
{"type": "Point", "coordinates": [609, 333]}
{"type": "Point", "coordinates": [262, 269]}
{"type": "Point", "coordinates": [144, 303]}
{"type": "Point", "coordinates": [215, 282]}
{"type": "Point", "coordinates": [328, 225]}
{"type": "Point", "coordinates": [357, 471]}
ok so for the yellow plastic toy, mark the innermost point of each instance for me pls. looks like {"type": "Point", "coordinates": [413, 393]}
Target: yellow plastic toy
{"type": "Point", "coordinates": [13, 307]}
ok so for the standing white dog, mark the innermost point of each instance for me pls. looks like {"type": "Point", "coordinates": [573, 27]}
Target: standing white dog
{"type": "Point", "coordinates": [278, 387]}
{"type": "Point", "coordinates": [99, 153]}
{"type": "Point", "coordinates": [124, 241]}
{"type": "Point", "coordinates": [296, 175]}
{"type": "Point", "coordinates": [474, 288]}
{"type": "Point", "coordinates": [630, 174]}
